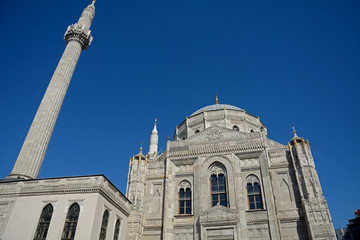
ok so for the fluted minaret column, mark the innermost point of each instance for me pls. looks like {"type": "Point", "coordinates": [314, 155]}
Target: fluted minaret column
{"type": "Point", "coordinates": [78, 37]}
{"type": "Point", "coordinates": [154, 138]}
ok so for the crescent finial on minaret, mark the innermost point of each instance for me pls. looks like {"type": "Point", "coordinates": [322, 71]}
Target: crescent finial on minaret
{"type": "Point", "coordinates": [216, 99]}
{"type": "Point", "coordinates": [155, 121]}
{"type": "Point", "coordinates": [93, 1]}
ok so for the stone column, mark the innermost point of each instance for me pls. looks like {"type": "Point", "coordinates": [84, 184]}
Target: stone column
{"type": "Point", "coordinates": [78, 37]}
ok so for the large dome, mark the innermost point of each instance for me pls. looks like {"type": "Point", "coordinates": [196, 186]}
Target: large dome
{"type": "Point", "coordinates": [216, 107]}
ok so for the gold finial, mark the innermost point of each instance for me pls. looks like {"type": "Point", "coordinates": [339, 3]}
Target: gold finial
{"type": "Point", "coordinates": [155, 121]}
{"type": "Point", "coordinates": [141, 147]}
{"type": "Point", "coordinates": [258, 118]}
{"type": "Point", "coordinates": [294, 131]}
{"type": "Point", "coordinates": [289, 146]}
{"type": "Point", "coordinates": [94, 1]}
{"type": "Point", "coordinates": [216, 99]}
{"type": "Point", "coordinates": [303, 141]}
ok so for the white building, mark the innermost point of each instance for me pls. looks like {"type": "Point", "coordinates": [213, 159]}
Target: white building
{"type": "Point", "coordinates": [222, 178]}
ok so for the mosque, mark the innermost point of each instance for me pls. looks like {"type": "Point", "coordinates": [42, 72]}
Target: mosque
{"type": "Point", "coordinates": [220, 177]}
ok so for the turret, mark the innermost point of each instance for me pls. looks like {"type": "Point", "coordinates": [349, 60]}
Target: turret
{"type": "Point", "coordinates": [135, 192]}
{"type": "Point", "coordinates": [315, 207]}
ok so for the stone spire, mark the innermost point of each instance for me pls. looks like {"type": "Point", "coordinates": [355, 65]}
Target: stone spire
{"type": "Point", "coordinates": [78, 37]}
{"type": "Point", "coordinates": [154, 139]}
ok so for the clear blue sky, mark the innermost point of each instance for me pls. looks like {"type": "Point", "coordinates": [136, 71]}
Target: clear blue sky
{"type": "Point", "coordinates": [289, 62]}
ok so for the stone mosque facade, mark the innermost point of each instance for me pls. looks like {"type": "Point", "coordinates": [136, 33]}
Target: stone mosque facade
{"type": "Point", "coordinates": [220, 177]}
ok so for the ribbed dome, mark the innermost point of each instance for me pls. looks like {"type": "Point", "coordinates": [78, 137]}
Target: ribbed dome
{"type": "Point", "coordinates": [216, 107]}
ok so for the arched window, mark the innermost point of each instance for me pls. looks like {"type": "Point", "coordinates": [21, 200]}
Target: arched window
{"type": "Point", "coordinates": [104, 224]}
{"type": "Point", "coordinates": [117, 230]}
{"type": "Point", "coordinates": [236, 128]}
{"type": "Point", "coordinates": [184, 198]}
{"type": "Point", "coordinates": [71, 222]}
{"type": "Point", "coordinates": [44, 223]}
{"type": "Point", "coordinates": [218, 185]}
{"type": "Point", "coordinates": [254, 193]}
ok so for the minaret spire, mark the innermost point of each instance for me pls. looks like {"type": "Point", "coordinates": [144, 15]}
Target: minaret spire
{"type": "Point", "coordinates": [78, 37]}
{"type": "Point", "coordinates": [154, 139]}
{"type": "Point", "coordinates": [216, 99]}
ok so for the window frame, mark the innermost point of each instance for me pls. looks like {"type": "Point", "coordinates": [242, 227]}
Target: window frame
{"type": "Point", "coordinates": [117, 229]}
{"type": "Point", "coordinates": [104, 224]}
{"type": "Point", "coordinates": [252, 180]}
{"type": "Point", "coordinates": [185, 185]}
{"type": "Point", "coordinates": [69, 224]}
{"type": "Point", "coordinates": [216, 170]}
{"type": "Point", "coordinates": [40, 233]}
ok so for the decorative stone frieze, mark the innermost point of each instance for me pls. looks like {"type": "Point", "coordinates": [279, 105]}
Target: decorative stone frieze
{"type": "Point", "coordinates": [250, 163]}
{"type": "Point", "coordinates": [219, 214]}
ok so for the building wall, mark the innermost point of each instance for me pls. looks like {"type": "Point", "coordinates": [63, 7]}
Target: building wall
{"type": "Point", "coordinates": [293, 204]}
{"type": "Point", "coordinates": [94, 194]}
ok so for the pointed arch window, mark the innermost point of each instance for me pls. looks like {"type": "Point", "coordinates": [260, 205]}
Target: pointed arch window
{"type": "Point", "coordinates": [218, 185]}
{"type": "Point", "coordinates": [71, 222]}
{"type": "Point", "coordinates": [104, 224]}
{"type": "Point", "coordinates": [117, 230]}
{"type": "Point", "coordinates": [254, 193]}
{"type": "Point", "coordinates": [44, 223]}
{"type": "Point", "coordinates": [184, 198]}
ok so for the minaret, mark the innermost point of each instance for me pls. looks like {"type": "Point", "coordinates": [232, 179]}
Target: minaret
{"type": "Point", "coordinates": [154, 139]}
{"type": "Point", "coordinates": [78, 37]}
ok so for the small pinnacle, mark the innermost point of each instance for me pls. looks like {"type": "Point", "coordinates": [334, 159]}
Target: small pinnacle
{"type": "Point", "coordinates": [216, 99]}
{"type": "Point", "coordinates": [155, 121]}
{"type": "Point", "coordinates": [141, 147]}
{"type": "Point", "coordinates": [93, 1]}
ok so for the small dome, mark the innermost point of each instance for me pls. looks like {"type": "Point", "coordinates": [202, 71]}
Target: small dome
{"type": "Point", "coordinates": [216, 107]}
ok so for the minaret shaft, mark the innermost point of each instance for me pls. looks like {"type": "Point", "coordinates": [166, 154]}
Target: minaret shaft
{"type": "Point", "coordinates": [33, 151]}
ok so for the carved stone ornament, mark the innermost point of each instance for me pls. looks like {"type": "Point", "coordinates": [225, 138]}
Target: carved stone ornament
{"type": "Point", "coordinates": [76, 32]}
{"type": "Point", "coordinates": [252, 179]}
{"type": "Point", "coordinates": [184, 184]}
{"type": "Point", "coordinates": [216, 170]}
{"type": "Point", "coordinates": [216, 134]}
{"type": "Point", "coordinates": [219, 214]}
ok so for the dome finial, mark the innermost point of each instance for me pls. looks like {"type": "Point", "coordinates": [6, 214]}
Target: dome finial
{"type": "Point", "coordinates": [141, 147]}
{"type": "Point", "coordinates": [216, 99]}
{"type": "Point", "coordinates": [93, 1]}
{"type": "Point", "coordinates": [295, 135]}
{"type": "Point", "coordinates": [155, 122]}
